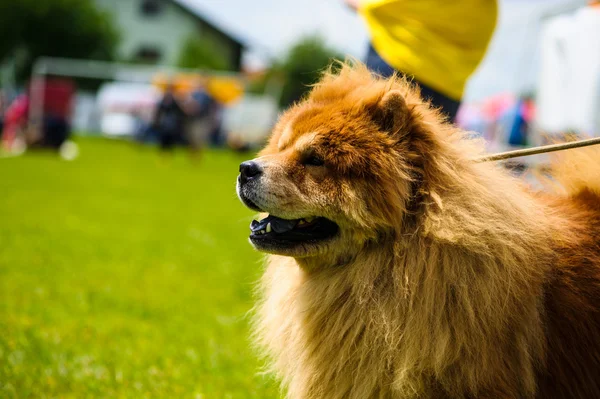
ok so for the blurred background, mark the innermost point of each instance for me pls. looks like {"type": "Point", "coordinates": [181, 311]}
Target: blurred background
{"type": "Point", "coordinates": [124, 265]}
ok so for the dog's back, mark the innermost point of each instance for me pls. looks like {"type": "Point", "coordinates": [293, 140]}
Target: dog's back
{"type": "Point", "coordinates": [572, 295]}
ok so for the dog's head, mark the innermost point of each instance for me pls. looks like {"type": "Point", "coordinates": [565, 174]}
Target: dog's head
{"type": "Point", "coordinates": [340, 168]}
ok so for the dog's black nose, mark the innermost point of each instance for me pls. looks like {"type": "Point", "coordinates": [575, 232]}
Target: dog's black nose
{"type": "Point", "coordinates": [249, 170]}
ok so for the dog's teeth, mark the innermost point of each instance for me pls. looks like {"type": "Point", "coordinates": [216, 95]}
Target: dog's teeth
{"type": "Point", "coordinates": [301, 222]}
{"type": "Point", "coordinates": [269, 228]}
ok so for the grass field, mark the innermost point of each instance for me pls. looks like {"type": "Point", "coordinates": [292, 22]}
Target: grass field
{"type": "Point", "coordinates": [125, 274]}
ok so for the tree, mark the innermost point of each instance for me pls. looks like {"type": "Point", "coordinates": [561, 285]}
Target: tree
{"type": "Point", "coordinates": [201, 53]}
{"type": "Point", "coordinates": [303, 66]}
{"type": "Point", "coordinates": [59, 28]}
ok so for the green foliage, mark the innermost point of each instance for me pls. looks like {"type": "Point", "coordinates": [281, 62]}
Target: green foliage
{"type": "Point", "coordinates": [59, 28]}
{"type": "Point", "coordinates": [124, 274]}
{"type": "Point", "coordinates": [201, 53]}
{"type": "Point", "coordinates": [303, 66]}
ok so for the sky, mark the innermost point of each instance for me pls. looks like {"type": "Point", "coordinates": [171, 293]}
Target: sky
{"type": "Point", "coordinates": [270, 27]}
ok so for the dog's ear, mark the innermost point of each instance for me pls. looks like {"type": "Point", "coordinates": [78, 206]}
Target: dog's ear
{"type": "Point", "coordinates": [392, 114]}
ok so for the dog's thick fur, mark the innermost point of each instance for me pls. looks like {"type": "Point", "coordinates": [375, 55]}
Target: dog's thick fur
{"type": "Point", "coordinates": [449, 278]}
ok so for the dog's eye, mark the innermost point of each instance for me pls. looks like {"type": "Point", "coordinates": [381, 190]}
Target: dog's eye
{"type": "Point", "coordinates": [314, 160]}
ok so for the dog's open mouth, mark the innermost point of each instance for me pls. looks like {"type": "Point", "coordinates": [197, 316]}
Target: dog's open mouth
{"type": "Point", "coordinates": [288, 233]}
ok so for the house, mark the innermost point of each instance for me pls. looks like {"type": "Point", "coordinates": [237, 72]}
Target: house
{"type": "Point", "coordinates": [154, 31]}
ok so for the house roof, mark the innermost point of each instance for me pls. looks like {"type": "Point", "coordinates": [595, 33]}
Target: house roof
{"type": "Point", "coordinates": [194, 10]}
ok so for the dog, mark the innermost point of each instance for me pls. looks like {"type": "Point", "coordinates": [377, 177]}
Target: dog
{"type": "Point", "coordinates": [399, 267]}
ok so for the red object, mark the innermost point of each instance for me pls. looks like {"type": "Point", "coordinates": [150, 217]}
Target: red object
{"type": "Point", "coordinates": [58, 95]}
{"type": "Point", "coordinates": [528, 110]}
{"type": "Point", "coordinates": [495, 106]}
{"type": "Point", "coordinates": [17, 112]}
{"type": "Point", "coordinates": [15, 118]}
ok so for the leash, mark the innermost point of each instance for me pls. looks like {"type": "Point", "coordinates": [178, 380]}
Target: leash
{"type": "Point", "coordinates": [538, 150]}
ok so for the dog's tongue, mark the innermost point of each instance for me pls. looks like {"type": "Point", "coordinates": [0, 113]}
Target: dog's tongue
{"type": "Point", "coordinates": [278, 225]}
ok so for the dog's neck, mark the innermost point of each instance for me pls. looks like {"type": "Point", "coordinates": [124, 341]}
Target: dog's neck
{"type": "Point", "coordinates": [444, 300]}
{"type": "Point", "coordinates": [314, 264]}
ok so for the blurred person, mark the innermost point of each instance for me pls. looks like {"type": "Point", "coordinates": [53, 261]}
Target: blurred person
{"type": "Point", "coordinates": [58, 100]}
{"type": "Point", "coordinates": [16, 123]}
{"type": "Point", "coordinates": [169, 120]}
{"type": "Point", "coordinates": [54, 127]}
{"type": "Point", "coordinates": [520, 122]}
{"type": "Point", "coordinates": [436, 43]}
{"type": "Point", "coordinates": [203, 117]}
{"type": "Point", "coordinates": [216, 136]}
{"type": "Point", "coordinates": [3, 106]}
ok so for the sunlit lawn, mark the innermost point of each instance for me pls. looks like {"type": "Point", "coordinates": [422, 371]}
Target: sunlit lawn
{"type": "Point", "coordinates": [125, 274]}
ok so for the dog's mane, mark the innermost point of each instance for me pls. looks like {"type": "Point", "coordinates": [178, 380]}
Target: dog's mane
{"type": "Point", "coordinates": [465, 281]}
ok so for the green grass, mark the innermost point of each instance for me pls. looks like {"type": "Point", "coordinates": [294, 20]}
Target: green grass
{"type": "Point", "coordinates": [126, 274]}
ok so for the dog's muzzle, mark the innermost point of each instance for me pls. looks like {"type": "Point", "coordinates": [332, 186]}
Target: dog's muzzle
{"type": "Point", "coordinates": [250, 173]}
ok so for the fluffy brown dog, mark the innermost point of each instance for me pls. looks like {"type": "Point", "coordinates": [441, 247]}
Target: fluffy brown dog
{"type": "Point", "coordinates": [400, 268]}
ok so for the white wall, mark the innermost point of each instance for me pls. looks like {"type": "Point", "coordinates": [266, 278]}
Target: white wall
{"type": "Point", "coordinates": [512, 61]}
{"type": "Point", "coordinates": [166, 31]}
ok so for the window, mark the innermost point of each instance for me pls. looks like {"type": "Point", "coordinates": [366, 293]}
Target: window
{"type": "Point", "coordinates": [151, 8]}
{"type": "Point", "coordinates": [148, 54]}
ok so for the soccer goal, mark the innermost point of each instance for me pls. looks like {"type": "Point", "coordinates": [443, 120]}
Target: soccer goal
{"type": "Point", "coordinates": [130, 92]}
